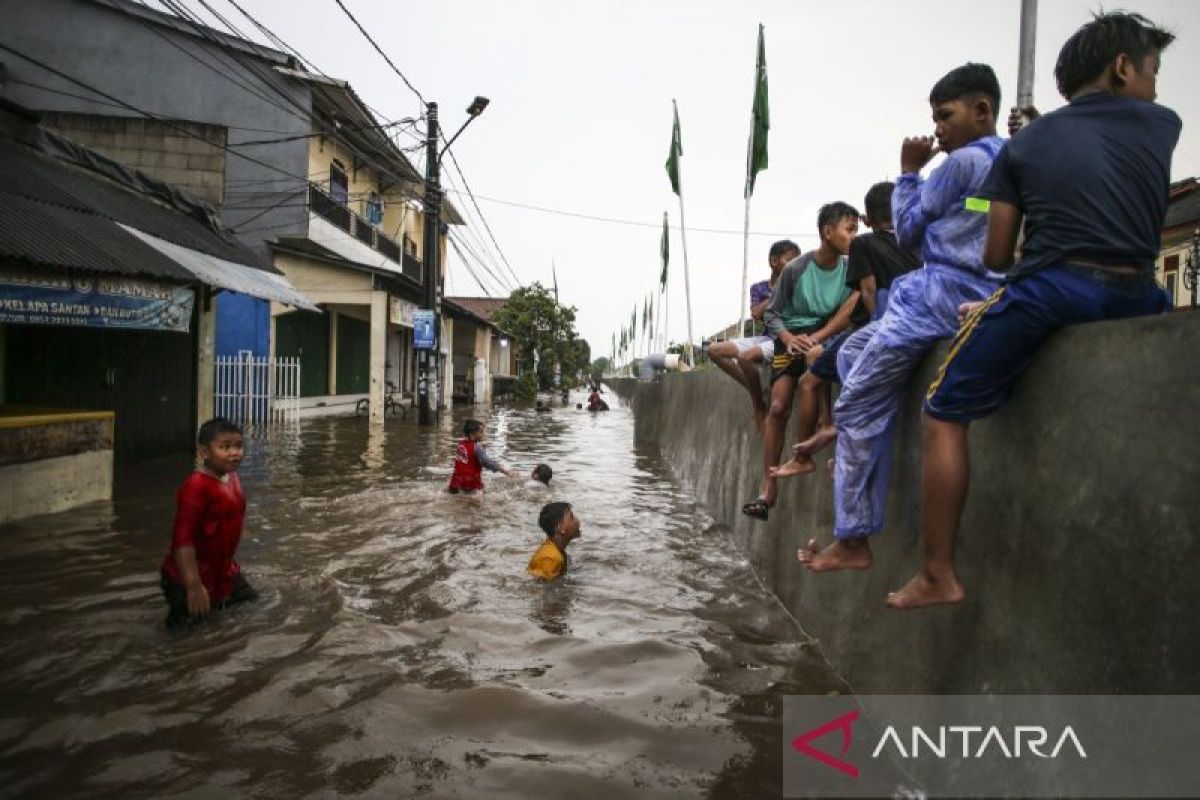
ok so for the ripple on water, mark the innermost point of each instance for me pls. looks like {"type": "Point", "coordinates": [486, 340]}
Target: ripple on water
{"type": "Point", "coordinates": [398, 648]}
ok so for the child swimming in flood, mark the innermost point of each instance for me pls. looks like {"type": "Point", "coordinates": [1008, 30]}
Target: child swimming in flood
{"type": "Point", "coordinates": [561, 527]}
{"type": "Point", "coordinates": [539, 479]}
{"type": "Point", "coordinates": [471, 459]}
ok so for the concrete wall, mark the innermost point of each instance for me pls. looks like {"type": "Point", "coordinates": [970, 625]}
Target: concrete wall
{"type": "Point", "coordinates": [173, 75]}
{"type": "Point", "coordinates": [1079, 544]}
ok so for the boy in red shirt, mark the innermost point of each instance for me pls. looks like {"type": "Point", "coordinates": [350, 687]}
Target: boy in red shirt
{"type": "Point", "coordinates": [470, 460]}
{"type": "Point", "coordinates": [200, 572]}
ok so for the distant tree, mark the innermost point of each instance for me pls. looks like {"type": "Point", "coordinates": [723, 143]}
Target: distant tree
{"type": "Point", "coordinates": [601, 366]}
{"type": "Point", "coordinates": [537, 322]}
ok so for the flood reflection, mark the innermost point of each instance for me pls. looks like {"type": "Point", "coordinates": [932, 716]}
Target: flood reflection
{"type": "Point", "coordinates": [398, 648]}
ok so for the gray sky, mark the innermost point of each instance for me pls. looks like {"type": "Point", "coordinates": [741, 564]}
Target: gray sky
{"type": "Point", "coordinates": [581, 115]}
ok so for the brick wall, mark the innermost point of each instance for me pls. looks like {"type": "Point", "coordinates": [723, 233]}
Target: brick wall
{"type": "Point", "coordinates": [161, 150]}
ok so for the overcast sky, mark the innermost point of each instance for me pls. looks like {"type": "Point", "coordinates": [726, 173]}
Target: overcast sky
{"type": "Point", "coordinates": [581, 114]}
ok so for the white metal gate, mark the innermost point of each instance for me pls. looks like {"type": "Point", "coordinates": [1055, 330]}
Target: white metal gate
{"type": "Point", "coordinates": [256, 390]}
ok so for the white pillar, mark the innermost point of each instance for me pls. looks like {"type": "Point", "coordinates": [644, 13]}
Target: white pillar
{"type": "Point", "coordinates": [378, 363]}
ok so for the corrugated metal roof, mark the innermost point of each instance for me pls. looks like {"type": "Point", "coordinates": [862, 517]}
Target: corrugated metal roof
{"type": "Point", "coordinates": [216, 271]}
{"type": "Point", "coordinates": [483, 307]}
{"type": "Point", "coordinates": [69, 193]}
{"type": "Point", "coordinates": [1184, 210]}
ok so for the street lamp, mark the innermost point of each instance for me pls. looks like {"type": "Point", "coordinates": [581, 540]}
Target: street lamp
{"type": "Point", "coordinates": [1191, 273]}
{"type": "Point", "coordinates": [430, 358]}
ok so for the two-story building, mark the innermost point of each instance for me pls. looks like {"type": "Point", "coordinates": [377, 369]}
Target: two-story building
{"type": "Point", "coordinates": [1179, 229]}
{"type": "Point", "coordinates": [300, 168]}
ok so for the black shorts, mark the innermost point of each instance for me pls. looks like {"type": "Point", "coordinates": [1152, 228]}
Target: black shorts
{"type": "Point", "coordinates": [784, 363]}
{"type": "Point", "coordinates": [176, 596]}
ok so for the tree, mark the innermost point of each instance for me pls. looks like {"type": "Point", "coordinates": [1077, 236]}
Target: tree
{"type": "Point", "coordinates": [537, 322]}
{"type": "Point", "coordinates": [602, 366]}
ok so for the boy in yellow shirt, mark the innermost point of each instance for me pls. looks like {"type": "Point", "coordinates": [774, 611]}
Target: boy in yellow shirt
{"type": "Point", "coordinates": [561, 526]}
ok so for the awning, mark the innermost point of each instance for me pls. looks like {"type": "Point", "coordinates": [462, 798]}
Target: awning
{"type": "Point", "coordinates": [229, 275]}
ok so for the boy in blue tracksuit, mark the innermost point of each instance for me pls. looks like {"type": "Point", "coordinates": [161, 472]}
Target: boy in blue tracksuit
{"type": "Point", "coordinates": [946, 218]}
{"type": "Point", "coordinates": [1090, 181]}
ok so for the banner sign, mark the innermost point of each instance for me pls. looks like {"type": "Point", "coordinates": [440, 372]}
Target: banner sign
{"type": "Point", "coordinates": [423, 330]}
{"type": "Point", "coordinates": [401, 311]}
{"type": "Point", "coordinates": [1025, 746]}
{"type": "Point", "coordinates": [29, 297]}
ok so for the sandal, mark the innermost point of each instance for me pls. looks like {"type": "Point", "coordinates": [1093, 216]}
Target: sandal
{"type": "Point", "coordinates": [757, 508]}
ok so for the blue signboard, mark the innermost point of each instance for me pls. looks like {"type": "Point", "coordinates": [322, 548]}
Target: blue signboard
{"type": "Point", "coordinates": [93, 301]}
{"type": "Point", "coordinates": [423, 330]}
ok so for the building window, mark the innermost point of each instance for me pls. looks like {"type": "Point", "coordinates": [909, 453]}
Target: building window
{"type": "Point", "coordinates": [339, 187]}
{"type": "Point", "coordinates": [1169, 283]}
{"type": "Point", "coordinates": [375, 209]}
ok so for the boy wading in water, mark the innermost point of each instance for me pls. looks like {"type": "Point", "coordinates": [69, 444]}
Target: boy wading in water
{"type": "Point", "coordinates": [200, 572]}
{"type": "Point", "coordinates": [1090, 181]}
{"type": "Point", "coordinates": [561, 527]}
{"type": "Point", "coordinates": [944, 216]}
{"type": "Point", "coordinates": [471, 459]}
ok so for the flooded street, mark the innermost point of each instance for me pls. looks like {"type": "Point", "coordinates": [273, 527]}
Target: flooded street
{"type": "Point", "coordinates": [399, 649]}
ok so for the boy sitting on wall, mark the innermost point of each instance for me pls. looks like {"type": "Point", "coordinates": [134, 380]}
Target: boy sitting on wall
{"type": "Point", "coordinates": [1090, 182]}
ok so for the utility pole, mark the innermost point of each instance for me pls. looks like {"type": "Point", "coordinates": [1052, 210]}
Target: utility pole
{"type": "Point", "coordinates": [428, 360]}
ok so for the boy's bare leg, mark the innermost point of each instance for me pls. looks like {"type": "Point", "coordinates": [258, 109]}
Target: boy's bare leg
{"type": "Point", "coordinates": [724, 355]}
{"type": "Point", "coordinates": [812, 408]}
{"type": "Point", "coordinates": [842, 554]}
{"type": "Point", "coordinates": [748, 363]}
{"type": "Point", "coordinates": [945, 476]}
{"type": "Point", "coordinates": [782, 392]}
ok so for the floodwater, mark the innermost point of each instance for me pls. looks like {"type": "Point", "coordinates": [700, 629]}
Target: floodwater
{"type": "Point", "coordinates": [398, 648]}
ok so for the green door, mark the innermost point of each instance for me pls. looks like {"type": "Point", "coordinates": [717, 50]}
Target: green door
{"type": "Point", "coordinates": [353, 355]}
{"type": "Point", "coordinates": [305, 334]}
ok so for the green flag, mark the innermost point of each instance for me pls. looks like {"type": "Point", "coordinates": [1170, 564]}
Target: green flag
{"type": "Point", "coordinates": [676, 152]}
{"type": "Point", "coordinates": [665, 247]}
{"type": "Point", "coordinates": [756, 156]}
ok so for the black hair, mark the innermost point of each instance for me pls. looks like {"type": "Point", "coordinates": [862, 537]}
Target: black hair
{"type": "Point", "coordinates": [833, 213]}
{"type": "Point", "coordinates": [966, 82]}
{"type": "Point", "coordinates": [781, 247]}
{"type": "Point", "coordinates": [1093, 47]}
{"type": "Point", "coordinates": [543, 473]}
{"type": "Point", "coordinates": [552, 514]}
{"type": "Point", "coordinates": [878, 202]}
{"type": "Point", "coordinates": [214, 428]}
{"type": "Point", "coordinates": [472, 426]}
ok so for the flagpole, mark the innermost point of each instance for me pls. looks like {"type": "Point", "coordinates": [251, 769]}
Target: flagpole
{"type": "Point", "coordinates": [745, 249]}
{"type": "Point", "coordinates": [687, 283]}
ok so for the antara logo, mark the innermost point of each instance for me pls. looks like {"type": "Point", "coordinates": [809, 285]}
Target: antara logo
{"type": "Point", "coordinates": [843, 723]}
{"type": "Point", "coordinates": [992, 739]}
{"type": "Point", "coordinates": [1011, 743]}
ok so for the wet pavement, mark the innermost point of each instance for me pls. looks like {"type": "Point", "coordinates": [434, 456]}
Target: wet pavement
{"type": "Point", "coordinates": [398, 648]}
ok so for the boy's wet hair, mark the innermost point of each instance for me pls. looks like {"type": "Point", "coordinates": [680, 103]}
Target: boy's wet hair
{"type": "Point", "coordinates": [1093, 47]}
{"type": "Point", "coordinates": [878, 202]}
{"type": "Point", "coordinates": [967, 82]}
{"type": "Point", "coordinates": [472, 426]}
{"type": "Point", "coordinates": [543, 473]}
{"type": "Point", "coordinates": [833, 213]}
{"type": "Point", "coordinates": [214, 428]}
{"type": "Point", "coordinates": [552, 514]}
{"type": "Point", "coordinates": [781, 247]}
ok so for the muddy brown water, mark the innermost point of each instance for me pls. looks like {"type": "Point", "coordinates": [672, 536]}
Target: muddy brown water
{"type": "Point", "coordinates": [398, 648]}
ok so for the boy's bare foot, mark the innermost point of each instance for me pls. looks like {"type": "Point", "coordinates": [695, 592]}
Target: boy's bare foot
{"type": "Point", "coordinates": [824, 437]}
{"type": "Point", "coordinates": [842, 554]}
{"type": "Point", "coordinates": [800, 465]}
{"type": "Point", "coordinates": [926, 589]}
